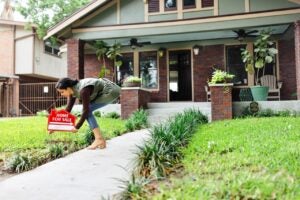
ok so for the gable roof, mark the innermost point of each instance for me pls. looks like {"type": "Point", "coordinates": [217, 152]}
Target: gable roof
{"type": "Point", "coordinates": [75, 16]}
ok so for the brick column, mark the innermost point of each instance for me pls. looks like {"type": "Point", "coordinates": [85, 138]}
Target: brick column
{"type": "Point", "coordinates": [15, 98]}
{"type": "Point", "coordinates": [75, 58]}
{"type": "Point", "coordinates": [133, 99]}
{"type": "Point", "coordinates": [297, 56]}
{"type": "Point", "coordinates": [221, 101]}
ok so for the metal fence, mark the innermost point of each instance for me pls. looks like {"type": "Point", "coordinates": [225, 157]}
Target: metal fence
{"type": "Point", "coordinates": [36, 97]}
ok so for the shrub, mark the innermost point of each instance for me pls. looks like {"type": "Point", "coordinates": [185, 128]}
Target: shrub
{"type": "Point", "coordinates": [162, 152]}
{"type": "Point", "coordinates": [97, 113]}
{"type": "Point", "coordinates": [56, 151]}
{"type": "Point", "coordinates": [88, 137]}
{"type": "Point", "coordinates": [132, 188]}
{"type": "Point", "coordinates": [113, 115]}
{"type": "Point", "coordinates": [19, 163]}
{"type": "Point", "coordinates": [267, 113]}
{"type": "Point", "coordinates": [138, 120]}
{"type": "Point", "coordinates": [42, 113]}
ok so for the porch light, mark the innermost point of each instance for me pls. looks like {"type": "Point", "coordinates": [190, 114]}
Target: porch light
{"type": "Point", "coordinates": [196, 49]}
{"type": "Point", "coordinates": [161, 52]}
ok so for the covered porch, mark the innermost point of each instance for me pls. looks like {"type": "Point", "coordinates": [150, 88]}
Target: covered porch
{"type": "Point", "coordinates": [180, 56]}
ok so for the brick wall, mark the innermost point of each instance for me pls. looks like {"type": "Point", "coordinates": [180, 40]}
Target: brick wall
{"type": "Point", "coordinates": [208, 57]}
{"type": "Point", "coordinates": [221, 102]}
{"type": "Point", "coordinates": [297, 57]}
{"type": "Point", "coordinates": [287, 69]}
{"type": "Point", "coordinates": [6, 50]}
{"type": "Point", "coordinates": [132, 99]}
{"type": "Point", "coordinates": [75, 58]}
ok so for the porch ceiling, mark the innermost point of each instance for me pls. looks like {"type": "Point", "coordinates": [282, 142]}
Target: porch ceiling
{"type": "Point", "coordinates": [198, 36]}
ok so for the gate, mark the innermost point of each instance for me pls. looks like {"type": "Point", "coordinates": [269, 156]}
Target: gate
{"type": "Point", "coordinates": [36, 97]}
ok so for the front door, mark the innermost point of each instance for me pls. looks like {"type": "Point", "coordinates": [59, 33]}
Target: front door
{"type": "Point", "coordinates": [180, 82]}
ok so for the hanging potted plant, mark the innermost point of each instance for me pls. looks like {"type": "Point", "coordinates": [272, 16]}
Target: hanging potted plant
{"type": "Point", "coordinates": [264, 53]}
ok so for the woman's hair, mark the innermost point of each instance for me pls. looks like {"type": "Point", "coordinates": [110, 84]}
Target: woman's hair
{"type": "Point", "coordinates": [64, 83]}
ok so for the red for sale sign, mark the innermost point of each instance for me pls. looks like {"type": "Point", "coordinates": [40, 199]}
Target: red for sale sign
{"type": "Point", "coordinates": [61, 121]}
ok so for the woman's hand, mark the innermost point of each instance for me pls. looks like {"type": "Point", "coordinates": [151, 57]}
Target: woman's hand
{"type": "Point", "coordinates": [74, 130]}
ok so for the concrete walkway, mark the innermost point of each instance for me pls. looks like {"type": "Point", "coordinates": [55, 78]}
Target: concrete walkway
{"type": "Point", "coordinates": [84, 175]}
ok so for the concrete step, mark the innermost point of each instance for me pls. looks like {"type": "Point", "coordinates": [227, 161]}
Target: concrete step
{"type": "Point", "coordinates": [179, 104]}
{"type": "Point", "coordinates": [161, 112]}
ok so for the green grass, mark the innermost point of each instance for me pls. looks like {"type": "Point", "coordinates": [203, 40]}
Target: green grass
{"type": "Point", "coordinates": [30, 133]}
{"type": "Point", "coordinates": [255, 158]}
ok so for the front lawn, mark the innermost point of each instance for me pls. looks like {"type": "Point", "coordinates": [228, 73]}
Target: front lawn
{"type": "Point", "coordinates": [31, 132]}
{"type": "Point", "coordinates": [25, 142]}
{"type": "Point", "coordinates": [256, 158]}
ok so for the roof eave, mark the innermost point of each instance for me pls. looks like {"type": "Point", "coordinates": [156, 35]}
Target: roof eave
{"type": "Point", "coordinates": [77, 15]}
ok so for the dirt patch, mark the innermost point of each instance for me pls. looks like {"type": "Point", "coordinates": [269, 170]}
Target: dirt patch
{"type": "Point", "coordinates": [3, 173]}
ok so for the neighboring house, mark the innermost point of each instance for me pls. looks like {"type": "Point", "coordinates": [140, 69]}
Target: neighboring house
{"type": "Point", "coordinates": [25, 63]}
{"type": "Point", "coordinates": [174, 44]}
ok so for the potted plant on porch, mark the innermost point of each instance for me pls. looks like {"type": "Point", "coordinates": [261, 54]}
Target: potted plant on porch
{"type": "Point", "coordinates": [221, 78]}
{"type": "Point", "coordinates": [132, 81]}
{"type": "Point", "coordinates": [264, 53]}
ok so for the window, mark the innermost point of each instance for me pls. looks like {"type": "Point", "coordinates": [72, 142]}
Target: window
{"type": "Point", "coordinates": [170, 5]}
{"type": "Point", "coordinates": [153, 6]}
{"type": "Point", "coordinates": [235, 64]}
{"type": "Point", "coordinates": [51, 48]}
{"type": "Point", "coordinates": [148, 69]}
{"type": "Point", "coordinates": [189, 4]}
{"type": "Point", "coordinates": [207, 3]}
{"type": "Point", "coordinates": [126, 69]}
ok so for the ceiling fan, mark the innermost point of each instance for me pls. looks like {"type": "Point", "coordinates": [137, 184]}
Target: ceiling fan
{"type": "Point", "coordinates": [242, 34]}
{"type": "Point", "coordinates": [134, 43]}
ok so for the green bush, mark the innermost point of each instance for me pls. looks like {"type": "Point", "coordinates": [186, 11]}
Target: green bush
{"type": "Point", "coordinates": [88, 137]}
{"type": "Point", "coordinates": [42, 113]}
{"type": "Point", "coordinates": [138, 120]}
{"type": "Point", "coordinates": [113, 115]}
{"type": "Point", "coordinates": [19, 163]}
{"type": "Point", "coordinates": [162, 152]}
{"type": "Point", "coordinates": [56, 151]}
{"type": "Point", "coordinates": [160, 155]}
{"type": "Point", "coordinates": [133, 188]}
{"type": "Point", "coordinates": [97, 113]}
{"type": "Point", "coordinates": [267, 113]}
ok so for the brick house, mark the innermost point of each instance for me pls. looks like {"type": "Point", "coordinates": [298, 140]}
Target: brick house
{"type": "Point", "coordinates": [25, 60]}
{"type": "Point", "coordinates": [173, 45]}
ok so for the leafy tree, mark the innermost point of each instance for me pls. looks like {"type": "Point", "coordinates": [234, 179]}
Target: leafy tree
{"type": "Point", "coordinates": [46, 13]}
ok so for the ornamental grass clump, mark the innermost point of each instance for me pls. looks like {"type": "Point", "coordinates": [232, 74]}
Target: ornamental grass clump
{"type": "Point", "coordinates": [138, 120]}
{"type": "Point", "coordinates": [19, 163]}
{"type": "Point", "coordinates": [159, 156]}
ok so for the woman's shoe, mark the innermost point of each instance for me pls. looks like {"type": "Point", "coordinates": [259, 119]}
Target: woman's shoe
{"type": "Point", "coordinates": [101, 144]}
